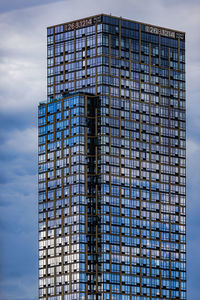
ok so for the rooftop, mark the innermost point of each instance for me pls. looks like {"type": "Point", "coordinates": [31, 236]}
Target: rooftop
{"type": "Point", "coordinates": [79, 23]}
{"type": "Point", "coordinates": [65, 95]}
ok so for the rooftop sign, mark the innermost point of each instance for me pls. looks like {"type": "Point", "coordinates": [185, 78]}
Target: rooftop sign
{"type": "Point", "coordinates": [81, 23]}
{"type": "Point", "coordinates": [165, 32]}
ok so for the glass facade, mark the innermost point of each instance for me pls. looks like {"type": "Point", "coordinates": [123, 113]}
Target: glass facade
{"type": "Point", "coordinates": [112, 163]}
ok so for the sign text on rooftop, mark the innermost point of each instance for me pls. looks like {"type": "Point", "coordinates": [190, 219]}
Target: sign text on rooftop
{"type": "Point", "coordinates": [82, 23]}
{"type": "Point", "coordinates": [165, 32]}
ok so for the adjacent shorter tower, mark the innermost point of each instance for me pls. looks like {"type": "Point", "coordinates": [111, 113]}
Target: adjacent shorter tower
{"type": "Point", "coordinates": [112, 163]}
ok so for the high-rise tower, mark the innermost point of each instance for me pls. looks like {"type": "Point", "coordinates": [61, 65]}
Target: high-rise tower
{"type": "Point", "coordinates": [112, 162]}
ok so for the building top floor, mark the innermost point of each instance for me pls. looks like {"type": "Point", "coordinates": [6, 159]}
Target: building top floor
{"type": "Point", "coordinates": [118, 22]}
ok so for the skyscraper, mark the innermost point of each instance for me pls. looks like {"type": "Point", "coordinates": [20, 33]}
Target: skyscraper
{"type": "Point", "coordinates": [112, 162]}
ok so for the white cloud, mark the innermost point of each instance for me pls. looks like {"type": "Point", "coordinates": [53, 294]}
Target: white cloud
{"type": "Point", "coordinates": [193, 148]}
{"type": "Point", "coordinates": [21, 141]}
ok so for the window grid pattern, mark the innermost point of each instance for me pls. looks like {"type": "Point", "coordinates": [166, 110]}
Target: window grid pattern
{"type": "Point", "coordinates": [137, 196]}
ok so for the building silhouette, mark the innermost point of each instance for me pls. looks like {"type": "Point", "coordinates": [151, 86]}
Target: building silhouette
{"type": "Point", "coordinates": [112, 162]}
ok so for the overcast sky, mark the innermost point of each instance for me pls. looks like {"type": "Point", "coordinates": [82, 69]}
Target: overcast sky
{"type": "Point", "coordinates": [23, 84]}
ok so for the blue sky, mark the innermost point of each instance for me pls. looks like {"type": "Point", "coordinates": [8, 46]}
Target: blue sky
{"type": "Point", "coordinates": [23, 84]}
